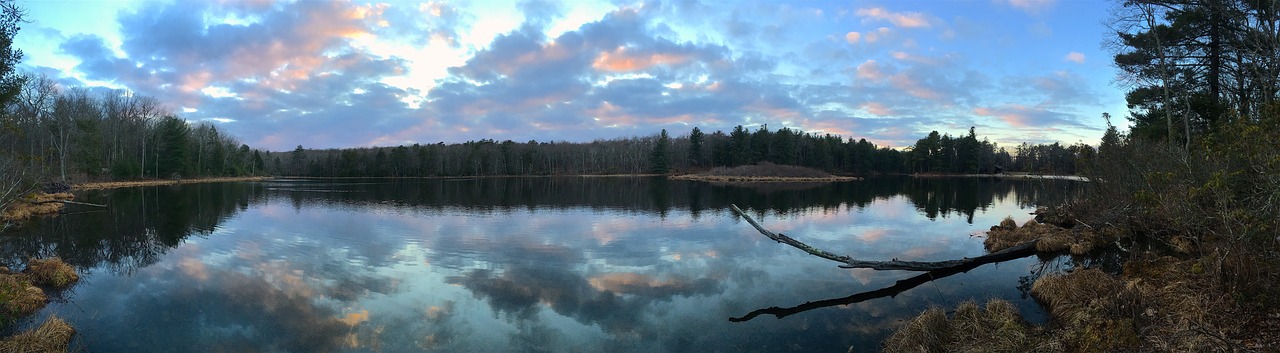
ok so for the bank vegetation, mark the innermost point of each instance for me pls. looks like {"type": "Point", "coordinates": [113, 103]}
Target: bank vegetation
{"type": "Point", "coordinates": [1190, 196]}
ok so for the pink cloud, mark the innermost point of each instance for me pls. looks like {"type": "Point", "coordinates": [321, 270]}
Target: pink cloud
{"type": "Point", "coordinates": [913, 87]}
{"type": "Point", "coordinates": [877, 109]}
{"type": "Point", "coordinates": [620, 60]}
{"type": "Point", "coordinates": [852, 37]}
{"type": "Point", "coordinates": [870, 70]}
{"type": "Point", "coordinates": [1075, 57]}
{"type": "Point", "coordinates": [1015, 115]}
{"type": "Point", "coordinates": [900, 19]}
{"type": "Point", "coordinates": [1029, 6]}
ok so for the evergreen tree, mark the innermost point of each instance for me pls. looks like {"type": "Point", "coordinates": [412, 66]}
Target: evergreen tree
{"type": "Point", "coordinates": [174, 139]}
{"type": "Point", "coordinates": [695, 146]}
{"type": "Point", "coordinates": [659, 161]}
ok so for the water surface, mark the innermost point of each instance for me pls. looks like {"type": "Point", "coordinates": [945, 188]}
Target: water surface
{"type": "Point", "coordinates": [513, 264]}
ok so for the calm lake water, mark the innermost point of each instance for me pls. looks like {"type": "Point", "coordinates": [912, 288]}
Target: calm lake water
{"type": "Point", "coordinates": [515, 264]}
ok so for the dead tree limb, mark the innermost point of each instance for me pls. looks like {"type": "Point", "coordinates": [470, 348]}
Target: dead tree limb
{"type": "Point", "coordinates": [890, 291]}
{"type": "Point", "coordinates": [849, 262]}
{"type": "Point", "coordinates": [70, 203]}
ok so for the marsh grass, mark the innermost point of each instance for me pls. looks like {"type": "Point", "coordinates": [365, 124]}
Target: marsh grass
{"type": "Point", "coordinates": [18, 297]}
{"type": "Point", "coordinates": [34, 204]}
{"type": "Point", "coordinates": [1095, 311]}
{"type": "Point", "coordinates": [1052, 238]}
{"type": "Point", "coordinates": [54, 335]}
{"type": "Point", "coordinates": [51, 272]}
{"type": "Point", "coordinates": [156, 182]}
{"type": "Point", "coordinates": [19, 294]}
{"type": "Point", "coordinates": [996, 328]}
{"type": "Point", "coordinates": [764, 172]}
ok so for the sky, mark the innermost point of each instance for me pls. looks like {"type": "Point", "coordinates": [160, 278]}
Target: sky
{"type": "Point", "coordinates": [277, 74]}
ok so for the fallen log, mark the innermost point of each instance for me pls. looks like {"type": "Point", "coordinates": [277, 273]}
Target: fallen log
{"type": "Point", "coordinates": [849, 262]}
{"type": "Point", "coordinates": [890, 291]}
{"type": "Point", "coordinates": [70, 202]}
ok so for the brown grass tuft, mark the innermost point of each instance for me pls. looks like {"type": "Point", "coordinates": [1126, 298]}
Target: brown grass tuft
{"type": "Point", "coordinates": [1052, 238]}
{"type": "Point", "coordinates": [925, 333]}
{"type": "Point", "coordinates": [998, 328]}
{"type": "Point", "coordinates": [1095, 310]}
{"type": "Point", "coordinates": [54, 335]}
{"type": "Point", "coordinates": [155, 182]}
{"type": "Point", "coordinates": [1008, 223]}
{"type": "Point", "coordinates": [18, 298]}
{"type": "Point", "coordinates": [764, 172]}
{"type": "Point", "coordinates": [51, 272]}
{"type": "Point", "coordinates": [36, 204]}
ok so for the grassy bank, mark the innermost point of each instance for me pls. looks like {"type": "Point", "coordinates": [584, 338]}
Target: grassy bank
{"type": "Point", "coordinates": [155, 182]}
{"type": "Point", "coordinates": [34, 204]}
{"type": "Point", "coordinates": [764, 172]}
{"type": "Point", "coordinates": [1201, 261]}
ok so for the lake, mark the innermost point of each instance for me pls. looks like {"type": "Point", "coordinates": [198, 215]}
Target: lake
{"type": "Point", "coordinates": [595, 264]}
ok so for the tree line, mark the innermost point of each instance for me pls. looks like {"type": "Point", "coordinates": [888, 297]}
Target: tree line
{"type": "Point", "coordinates": [79, 134]}
{"type": "Point", "coordinates": [695, 151]}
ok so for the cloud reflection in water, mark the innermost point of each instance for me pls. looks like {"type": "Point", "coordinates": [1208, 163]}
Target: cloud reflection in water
{"type": "Point", "coordinates": [426, 271]}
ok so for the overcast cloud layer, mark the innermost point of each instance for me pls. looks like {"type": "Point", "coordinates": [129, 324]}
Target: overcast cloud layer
{"type": "Point", "coordinates": [345, 74]}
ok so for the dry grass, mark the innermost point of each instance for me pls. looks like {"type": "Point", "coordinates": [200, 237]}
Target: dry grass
{"type": "Point", "coordinates": [1052, 238]}
{"type": "Point", "coordinates": [138, 183]}
{"type": "Point", "coordinates": [764, 172]}
{"type": "Point", "coordinates": [1159, 304]}
{"type": "Point", "coordinates": [18, 297]}
{"type": "Point", "coordinates": [751, 179]}
{"type": "Point", "coordinates": [1186, 312]}
{"type": "Point", "coordinates": [51, 272]}
{"type": "Point", "coordinates": [35, 204]}
{"type": "Point", "coordinates": [54, 335]}
{"type": "Point", "coordinates": [997, 328]}
{"type": "Point", "coordinates": [1096, 312]}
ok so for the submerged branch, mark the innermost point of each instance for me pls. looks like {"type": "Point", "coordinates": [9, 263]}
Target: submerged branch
{"type": "Point", "coordinates": [849, 262]}
{"type": "Point", "coordinates": [890, 291]}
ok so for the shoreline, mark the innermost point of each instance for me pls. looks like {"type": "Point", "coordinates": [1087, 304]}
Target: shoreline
{"type": "Point", "coordinates": [103, 185]}
{"type": "Point", "coordinates": [1006, 176]}
{"type": "Point", "coordinates": [760, 179]}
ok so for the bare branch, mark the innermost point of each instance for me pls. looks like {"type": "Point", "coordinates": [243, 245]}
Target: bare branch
{"type": "Point", "coordinates": [849, 262]}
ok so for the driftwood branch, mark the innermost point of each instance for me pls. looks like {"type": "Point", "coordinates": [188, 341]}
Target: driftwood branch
{"type": "Point", "coordinates": [70, 202]}
{"type": "Point", "coordinates": [890, 291]}
{"type": "Point", "coordinates": [849, 262]}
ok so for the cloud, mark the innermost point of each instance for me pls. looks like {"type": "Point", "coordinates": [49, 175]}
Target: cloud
{"type": "Point", "coordinates": [900, 19]}
{"type": "Point", "coordinates": [612, 301]}
{"type": "Point", "coordinates": [1075, 57]}
{"type": "Point", "coordinates": [1024, 117]}
{"type": "Point", "coordinates": [870, 70]}
{"type": "Point", "coordinates": [337, 74]}
{"type": "Point", "coordinates": [289, 77]}
{"type": "Point", "coordinates": [877, 109]}
{"type": "Point", "coordinates": [852, 37]}
{"type": "Point", "coordinates": [1029, 6]}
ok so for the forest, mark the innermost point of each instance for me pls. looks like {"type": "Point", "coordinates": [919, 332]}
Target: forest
{"type": "Point", "coordinates": [1196, 174]}
{"type": "Point", "coordinates": [82, 134]}
{"type": "Point", "coordinates": [661, 154]}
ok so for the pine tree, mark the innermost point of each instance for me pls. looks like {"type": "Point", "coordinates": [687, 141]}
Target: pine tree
{"type": "Point", "coordinates": [695, 146]}
{"type": "Point", "coordinates": [659, 161]}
